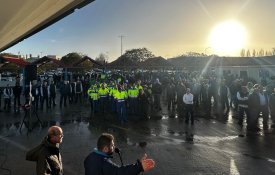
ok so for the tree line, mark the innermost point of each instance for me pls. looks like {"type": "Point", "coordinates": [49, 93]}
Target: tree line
{"type": "Point", "coordinates": [257, 53]}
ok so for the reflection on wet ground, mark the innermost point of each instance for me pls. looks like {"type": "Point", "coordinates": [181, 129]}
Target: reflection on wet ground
{"type": "Point", "coordinates": [214, 145]}
{"type": "Point", "coordinates": [99, 123]}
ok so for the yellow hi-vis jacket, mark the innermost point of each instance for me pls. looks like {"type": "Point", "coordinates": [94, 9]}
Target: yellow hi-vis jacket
{"type": "Point", "coordinates": [93, 93]}
{"type": "Point", "coordinates": [139, 87]}
{"type": "Point", "coordinates": [112, 93]}
{"type": "Point", "coordinates": [133, 93]}
{"type": "Point", "coordinates": [103, 92]}
{"type": "Point", "coordinates": [121, 96]}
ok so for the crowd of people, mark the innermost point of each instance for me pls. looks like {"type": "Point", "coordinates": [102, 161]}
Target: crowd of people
{"type": "Point", "coordinates": [140, 94]}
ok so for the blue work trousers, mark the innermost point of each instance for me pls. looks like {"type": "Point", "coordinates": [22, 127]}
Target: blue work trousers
{"type": "Point", "coordinates": [133, 104]}
{"type": "Point", "coordinates": [121, 111]}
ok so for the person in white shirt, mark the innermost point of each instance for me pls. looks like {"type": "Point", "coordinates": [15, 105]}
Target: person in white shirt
{"type": "Point", "coordinates": [242, 97]}
{"type": "Point", "coordinates": [188, 101]}
{"type": "Point", "coordinates": [8, 94]}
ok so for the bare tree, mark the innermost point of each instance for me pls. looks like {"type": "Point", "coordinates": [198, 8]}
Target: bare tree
{"type": "Point", "coordinates": [243, 53]}
{"type": "Point", "coordinates": [254, 53]}
{"type": "Point", "coordinates": [102, 58]}
{"type": "Point", "coordinates": [248, 53]}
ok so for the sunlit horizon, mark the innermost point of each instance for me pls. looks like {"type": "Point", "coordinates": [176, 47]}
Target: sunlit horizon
{"type": "Point", "coordinates": [166, 29]}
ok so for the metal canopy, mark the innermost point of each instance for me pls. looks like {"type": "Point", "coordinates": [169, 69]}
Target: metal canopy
{"type": "Point", "coordinates": [20, 19]}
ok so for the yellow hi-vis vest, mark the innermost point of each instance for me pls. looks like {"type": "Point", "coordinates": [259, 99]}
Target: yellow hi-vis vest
{"type": "Point", "coordinates": [139, 87]}
{"type": "Point", "coordinates": [93, 94]}
{"type": "Point", "coordinates": [133, 93]}
{"type": "Point", "coordinates": [120, 96]}
{"type": "Point", "coordinates": [103, 92]}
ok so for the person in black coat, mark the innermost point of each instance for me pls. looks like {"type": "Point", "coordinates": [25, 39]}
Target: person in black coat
{"type": "Point", "coordinates": [263, 105]}
{"type": "Point", "coordinates": [65, 90]}
{"type": "Point", "coordinates": [52, 90]}
{"type": "Point", "coordinates": [253, 108]}
{"type": "Point", "coordinates": [44, 95]}
{"type": "Point", "coordinates": [99, 161]}
{"type": "Point", "coordinates": [171, 96]}
{"type": "Point", "coordinates": [0, 98]}
{"type": "Point", "coordinates": [36, 94]}
{"type": "Point", "coordinates": [144, 103]}
{"type": "Point", "coordinates": [47, 154]}
{"type": "Point", "coordinates": [157, 90]}
{"type": "Point", "coordinates": [272, 107]}
{"type": "Point", "coordinates": [17, 90]}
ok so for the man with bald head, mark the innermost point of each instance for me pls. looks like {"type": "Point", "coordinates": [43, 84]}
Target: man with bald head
{"type": "Point", "coordinates": [47, 155]}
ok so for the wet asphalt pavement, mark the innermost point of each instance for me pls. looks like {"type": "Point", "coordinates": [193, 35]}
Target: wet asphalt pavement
{"type": "Point", "coordinates": [214, 145]}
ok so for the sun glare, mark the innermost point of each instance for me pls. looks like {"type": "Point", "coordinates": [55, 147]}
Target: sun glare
{"type": "Point", "coordinates": [227, 38]}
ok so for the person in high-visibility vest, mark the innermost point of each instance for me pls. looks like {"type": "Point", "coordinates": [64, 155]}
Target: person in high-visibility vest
{"type": "Point", "coordinates": [133, 99]}
{"type": "Point", "coordinates": [103, 94]}
{"type": "Point", "coordinates": [139, 85]}
{"type": "Point", "coordinates": [94, 98]}
{"type": "Point", "coordinates": [120, 97]}
{"type": "Point", "coordinates": [112, 91]}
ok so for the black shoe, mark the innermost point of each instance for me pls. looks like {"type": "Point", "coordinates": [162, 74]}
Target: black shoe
{"type": "Point", "coordinates": [253, 129]}
{"type": "Point", "coordinates": [240, 123]}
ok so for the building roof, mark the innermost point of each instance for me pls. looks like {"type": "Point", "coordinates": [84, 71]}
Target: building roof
{"type": "Point", "coordinates": [155, 62]}
{"type": "Point", "coordinates": [84, 59]}
{"type": "Point", "coordinates": [45, 59]}
{"type": "Point", "coordinates": [18, 61]}
{"type": "Point", "coordinates": [214, 61]}
{"type": "Point", "coordinates": [122, 62]}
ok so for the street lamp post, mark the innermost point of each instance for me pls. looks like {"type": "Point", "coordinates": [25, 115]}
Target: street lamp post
{"type": "Point", "coordinates": [121, 42]}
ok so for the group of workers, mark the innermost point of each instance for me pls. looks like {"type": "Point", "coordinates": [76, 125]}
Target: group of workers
{"type": "Point", "coordinates": [115, 97]}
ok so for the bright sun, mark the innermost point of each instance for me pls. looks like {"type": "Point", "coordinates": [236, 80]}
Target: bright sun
{"type": "Point", "coordinates": [227, 38]}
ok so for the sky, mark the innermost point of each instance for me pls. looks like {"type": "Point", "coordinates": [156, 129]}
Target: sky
{"type": "Point", "coordinates": [167, 28]}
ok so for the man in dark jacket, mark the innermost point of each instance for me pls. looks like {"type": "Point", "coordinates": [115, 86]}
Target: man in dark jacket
{"type": "Point", "coordinates": [171, 95]}
{"type": "Point", "coordinates": [157, 90]}
{"type": "Point", "coordinates": [17, 90]}
{"type": "Point", "coordinates": [0, 98]}
{"type": "Point", "coordinates": [272, 107]}
{"type": "Point", "coordinates": [223, 93]}
{"type": "Point", "coordinates": [52, 90]}
{"type": "Point", "coordinates": [65, 90]}
{"type": "Point", "coordinates": [44, 92]}
{"type": "Point", "coordinates": [253, 108]}
{"type": "Point", "coordinates": [99, 162]}
{"type": "Point", "coordinates": [47, 155]}
{"type": "Point", "coordinates": [263, 106]}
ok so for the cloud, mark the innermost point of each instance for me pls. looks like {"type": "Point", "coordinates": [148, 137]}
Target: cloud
{"type": "Point", "coordinates": [53, 41]}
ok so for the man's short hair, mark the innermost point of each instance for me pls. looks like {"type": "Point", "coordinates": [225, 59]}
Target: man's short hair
{"type": "Point", "coordinates": [104, 140]}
